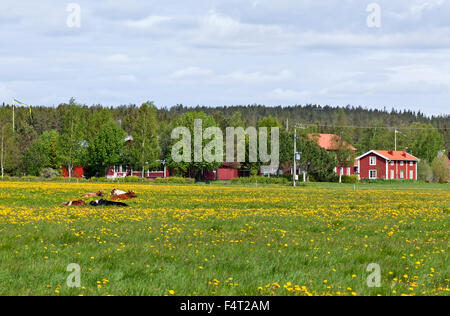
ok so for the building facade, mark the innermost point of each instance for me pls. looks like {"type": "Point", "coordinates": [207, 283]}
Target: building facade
{"type": "Point", "coordinates": [387, 165]}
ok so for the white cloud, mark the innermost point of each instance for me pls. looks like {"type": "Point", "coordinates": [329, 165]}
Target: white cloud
{"type": "Point", "coordinates": [6, 93]}
{"type": "Point", "coordinates": [416, 10]}
{"type": "Point", "coordinates": [227, 52]}
{"type": "Point", "coordinates": [147, 23]}
{"type": "Point", "coordinates": [116, 59]}
{"type": "Point", "coordinates": [191, 73]}
{"type": "Point", "coordinates": [255, 77]}
{"type": "Point", "coordinates": [241, 77]}
{"type": "Point", "coordinates": [288, 95]}
{"type": "Point", "coordinates": [127, 78]}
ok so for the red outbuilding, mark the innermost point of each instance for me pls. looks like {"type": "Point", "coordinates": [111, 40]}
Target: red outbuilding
{"type": "Point", "coordinates": [77, 172]}
{"type": "Point", "coordinates": [387, 165]}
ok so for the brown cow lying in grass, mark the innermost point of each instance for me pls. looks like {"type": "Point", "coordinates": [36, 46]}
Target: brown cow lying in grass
{"type": "Point", "coordinates": [125, 196]}
{"type": "Point", "coordinates": [99, 193]}
{"type": "Point", "coordinates": [75, 203]}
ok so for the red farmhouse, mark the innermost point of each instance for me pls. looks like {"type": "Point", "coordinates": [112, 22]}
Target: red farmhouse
{"type": "Point", "coordinates": [387, 165]}
{"type": "Point", "coordinates": [330, 142]}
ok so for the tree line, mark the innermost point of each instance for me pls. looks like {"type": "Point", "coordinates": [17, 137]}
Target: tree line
{"type": "Point", "coordinates": [45, 139]}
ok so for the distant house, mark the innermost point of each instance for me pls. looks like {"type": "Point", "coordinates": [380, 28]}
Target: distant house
{"type": "Point", "coordinates": [123, 171]}
{"type": "Point", "coordinates": [388, 165]}
{"type": "Point", "coordinates": [330, 142]}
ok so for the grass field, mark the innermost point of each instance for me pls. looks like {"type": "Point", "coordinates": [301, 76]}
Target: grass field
{"type": "Point", "coordinates": [226, 240]}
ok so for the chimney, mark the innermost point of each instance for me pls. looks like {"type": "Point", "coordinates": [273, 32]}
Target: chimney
{"type": "Point", "coordinates": [391, 152]}
{"type": "Point", "coordinates": [404, 153]}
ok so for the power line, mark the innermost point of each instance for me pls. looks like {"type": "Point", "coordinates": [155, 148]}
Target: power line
{"type": "Point", "coordinates": [378, 127]}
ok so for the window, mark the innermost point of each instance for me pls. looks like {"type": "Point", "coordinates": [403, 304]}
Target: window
{"type": "Point", "coordinates": [372, 174]}
{"type": "Point", "coordinates": [392, 162]}
{"type": "Point", "coordinates": [392, 174]}
{"type": "Point", "coordinates": [411, 163]}
{"type": "Point", "coordinates": [402, 174]}
{"type": "Point", "coordinates": [116, 169]}
{"type": "Point", "coordinates": [402, 163]}
{"type": "Point", "coordinates": [373, 161]}
{"type": "Point", "coordinates": [411, 174]}
{"type": "Point", "coordinates": [348, 171]}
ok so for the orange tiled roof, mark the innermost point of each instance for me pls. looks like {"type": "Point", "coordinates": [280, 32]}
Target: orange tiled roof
{"type": "Point", "coordinates": [396, 155]}
{"type": "Point", "coordinates": [329, 141]}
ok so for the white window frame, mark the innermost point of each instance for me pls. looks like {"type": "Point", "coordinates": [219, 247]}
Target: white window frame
{"type": "Point", "coordinates": [373, 177]}
{"type": "Point", "coordinates": [392, 174]}
{"type": "Point", "coordinates": [349, 172]}
{"type": "Point", "coordinates": [402, 174]}
{"type": "Point", "coordinates": [411, 174]}
{"type": "Point", "coordinates": [392, 162]}
{"type": "Point", "coordinates": [411, 163]}
{"type": "Point", "coordinates": [402, 163]}
{"type": "Point", "coordinates": [373, 160]}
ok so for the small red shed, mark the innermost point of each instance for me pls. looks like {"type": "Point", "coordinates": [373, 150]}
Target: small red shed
{"type": "Point", "coordinates": [77, 172]}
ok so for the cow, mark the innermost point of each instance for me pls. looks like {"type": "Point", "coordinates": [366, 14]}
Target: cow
{"type": "Point", "coordinates": [75, 203]}
{"type": "Point", "coordinates": [104, 202]}
{"type": "Point", "coordinates": [117, 192]}
{"type": "Point", "coordinates": [99, 193]}
{"type": "Point", "coordinates": [125, 196]}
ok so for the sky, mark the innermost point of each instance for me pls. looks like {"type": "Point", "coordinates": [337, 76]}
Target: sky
{"type": "Point", "coordinates": [375, 54]}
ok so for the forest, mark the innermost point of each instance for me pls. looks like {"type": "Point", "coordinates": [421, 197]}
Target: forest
{"type": "Point", "coordinates": [40, 140]}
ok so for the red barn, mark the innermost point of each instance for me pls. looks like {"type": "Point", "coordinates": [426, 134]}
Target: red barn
{"type": "Point", "coordinates": [227, 171]}
{"type": "Point", "coordinates": [387, 165]}
{"type": "Point", "coordinates": [222, 174]}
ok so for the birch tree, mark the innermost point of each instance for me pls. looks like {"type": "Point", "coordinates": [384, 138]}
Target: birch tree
{"type": "Point", "coordinates": [144, 149]}
{"type": "Point", "coordinates": [72, 136]}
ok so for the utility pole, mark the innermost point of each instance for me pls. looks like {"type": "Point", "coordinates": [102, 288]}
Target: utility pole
{"type": "Point", "coordinates": [297, 155]}
{"type": "Point", "coordinates": [13, 116]}
{"type": "Point", "coordinates": [2, 155]}
{"type": "Point", "coordinates": [294, 169]}
{"type": "Point", "coordinates": [395, 133]}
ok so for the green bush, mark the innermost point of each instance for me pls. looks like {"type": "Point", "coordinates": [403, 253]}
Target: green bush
{"type": "Point", "coordinates": [261, 180]}
{"type": "Point", "coordinates": [30, 178]}
{"type": "Point", "coordinates": [58, 179]}
{"type": "Point", "coordinates": [175, 180]}
{"type": "Point", "coordinates": [49, 173]}
{"type": "Point", "coordinates": [350, 179]}
{"type": "Point", "coordinates": [133, 179]}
